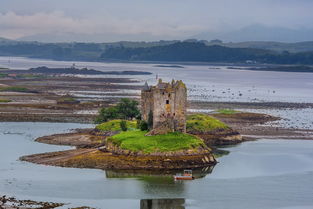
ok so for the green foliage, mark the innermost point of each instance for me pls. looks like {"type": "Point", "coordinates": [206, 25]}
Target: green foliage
{"type": "Point", "coordinates": [106, 114]}
{"type": "Point", "coordinates": [123, 125]}
{"type": "Point", "coordinates": [14, 88]}
{"type": "Point", "coordinates": [3, 75]}
{"type": "Point", "coordinates": [5, 100]}
{"type": "Point", "coordinates": [143, 125]}
{"type": "Point", "coordinates": [126, 109]}
{"type": "Point", "coordinates": [227, 111]}
{"type": "Point", "coordinates": [137, 141]}
{"type": "Point", "coordinates": [115, 125]}
{"type": "Point", "coordinates": [203, 123]}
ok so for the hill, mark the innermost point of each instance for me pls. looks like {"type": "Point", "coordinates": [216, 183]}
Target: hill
{"type": "Point", "coordinates": [200, 52]}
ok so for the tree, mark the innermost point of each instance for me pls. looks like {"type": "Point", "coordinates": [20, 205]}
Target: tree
{"type": "Point", "coordinates": [128, 109]}
{"type": "Point", "coordinates": [106, 114]}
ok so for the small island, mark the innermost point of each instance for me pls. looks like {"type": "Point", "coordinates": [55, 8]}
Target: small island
{"type": "Point", "coordinates": [159, 136]}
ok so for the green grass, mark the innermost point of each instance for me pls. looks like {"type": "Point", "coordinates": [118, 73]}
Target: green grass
{"type": "Point", "coordinates": [227, 111]}
{"type": "Point", "coordinates": [203, 123]}
{"type": "Point", "coordinates": [114, 125]}
{"type": "Point", "coordinates": [14, 88]}
{"type": "Point", "coordinates": [30, 76]}
{"type": "Point", "coordinates": [3, 75]}
{"type": "Point", "coordinates": [67, 99]}
{"type": "Point", "coordinates": [137, 141]}
{"type": "Point", "coordinates": [5, 100]}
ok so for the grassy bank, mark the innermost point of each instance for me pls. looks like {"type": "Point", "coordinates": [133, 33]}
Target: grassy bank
{"type": "Point", "coordinates": [14, 89]}
{"type": "Point", "coordinates": [5, 100]}
{"type": "Point", "coordinates": [227, 111]}
{"type": "Point", "coordinates": [137, 141]}
{"type": "Point", "coordinates": [115, 125]}
{"type": "Point", "coordinates": [203, 123]}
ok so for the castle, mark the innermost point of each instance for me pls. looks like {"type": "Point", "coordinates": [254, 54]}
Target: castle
{"type": "Point", "coordinates": [165, 104]}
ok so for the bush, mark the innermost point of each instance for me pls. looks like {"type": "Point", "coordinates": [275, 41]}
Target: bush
{"type": "Point", "coordinates": [203, 123]}
{"type": "Point", "coordinates": [123, 125]}
{"type": "Point", "coordinates": [107, 114]}
{"type": "Point", "coordinates": [143, 125]}
{"type": "Point", "coordinates": [115, 125]}
{"type": "Point", "coordinates": [126, 109]}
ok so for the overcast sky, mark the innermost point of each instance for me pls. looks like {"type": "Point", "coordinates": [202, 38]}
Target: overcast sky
{"type": "Point", "coordinates": [168, 19]}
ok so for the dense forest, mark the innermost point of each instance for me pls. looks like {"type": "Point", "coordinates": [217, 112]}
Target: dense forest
{"type": "Point", "coordinates": [170, 51]}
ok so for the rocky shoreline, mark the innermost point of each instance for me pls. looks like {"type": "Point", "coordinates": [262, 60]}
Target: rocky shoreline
{"type": "Point", "coordinates": [90, 153]}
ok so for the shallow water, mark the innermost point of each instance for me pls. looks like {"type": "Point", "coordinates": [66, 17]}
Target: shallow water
{"type": "Point", "coordinates": [206, 83]}
{"type": "Point", "coordinates": [260, 174]}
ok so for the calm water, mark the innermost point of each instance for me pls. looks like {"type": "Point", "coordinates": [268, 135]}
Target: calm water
{"type": "Point", "coordinates": [207, 83]}
{"type": "Point", "coordinates": [261, 174]}
{"type": "Point", "coordinates": [264, 174]}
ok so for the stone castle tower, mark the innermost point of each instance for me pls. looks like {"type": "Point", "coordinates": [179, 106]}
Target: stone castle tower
{"type": "Point", "coordinates": [166, 104]}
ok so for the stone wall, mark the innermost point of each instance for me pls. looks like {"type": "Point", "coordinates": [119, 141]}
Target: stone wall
{"type": "Point", "coordinates": [167, 101]}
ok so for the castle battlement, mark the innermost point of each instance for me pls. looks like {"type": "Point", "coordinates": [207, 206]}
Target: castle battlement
{"type": "Point", "coordinates": [166, 104]}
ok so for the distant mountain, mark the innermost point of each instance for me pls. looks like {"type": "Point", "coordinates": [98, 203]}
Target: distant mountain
{"type": "Point", "coordinates": [62, 37]}
{"type": "Point", "coordinates": [5, 40]}
{"type": "Point", "coordinates": [260, 32]}
{"type": "Point", "coordinates": [275, 46]}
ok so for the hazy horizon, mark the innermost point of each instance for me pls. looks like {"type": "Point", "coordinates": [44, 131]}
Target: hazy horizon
{"type": "Point", "coordinates": [142, 20]}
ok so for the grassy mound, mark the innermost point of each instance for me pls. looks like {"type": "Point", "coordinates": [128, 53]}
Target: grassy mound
{"type": "Point", "coordinates": [137, 141]}
{"type": "Point", "coordinates": [203, 123]}
{"type": "Point", "coordinates": [227, 111]}
{"type": "Point", "coordinates": [5, 100]}
{"type": "Point", "coordinates": [114, 125]}
{"type": "Point", "coordinates": [14, 89]}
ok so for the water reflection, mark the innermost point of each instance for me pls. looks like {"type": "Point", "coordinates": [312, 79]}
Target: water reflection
{"type": "Point", "coordinates": [160, 176]}
{"type": "Point", "coordinates": [162, 204]}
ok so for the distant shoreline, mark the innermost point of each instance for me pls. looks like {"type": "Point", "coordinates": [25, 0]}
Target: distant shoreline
{"type": "Point", "coordinates": [244, 66]}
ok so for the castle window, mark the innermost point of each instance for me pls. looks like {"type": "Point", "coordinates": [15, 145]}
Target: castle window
{"type": "Point", "coordinates": [174, 114]}
{"type": "Point", "coordinates": [163, 93]}
{"type": "Point", "coordinates": [167, 101]}
{"type": "Point", "coordinates": [169, 95]}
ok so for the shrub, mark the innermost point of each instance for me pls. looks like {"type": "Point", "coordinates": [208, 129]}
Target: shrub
{"type": "Point", "coordinates": [126, 109]}
{"type": "Point", "coordinates": [123, 125]}
{"type": "Point", "coordinates": [143, 125]}
{"type": "Point", "coordinates": [203, 123]}
{"type": "Point", "coordinates": [107, 114]}
{"type": "Point", "coordinates": [115, 125]}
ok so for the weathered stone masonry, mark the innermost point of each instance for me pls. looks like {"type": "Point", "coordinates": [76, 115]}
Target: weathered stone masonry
{"type": "Point", "coordinates": [167, 104]}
